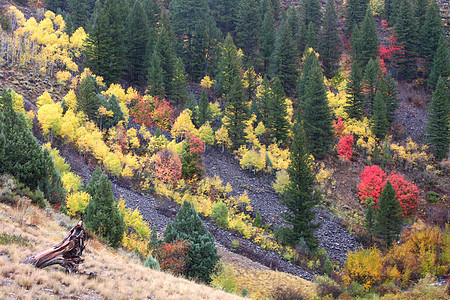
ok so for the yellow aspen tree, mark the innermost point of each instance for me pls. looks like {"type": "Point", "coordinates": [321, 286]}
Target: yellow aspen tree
{"type": "Point", "coordinates": [206, 134]}
{"type": "Point", "coordinates": [183, 124]}
{"type": "Point", "coordinates": [222, 138]}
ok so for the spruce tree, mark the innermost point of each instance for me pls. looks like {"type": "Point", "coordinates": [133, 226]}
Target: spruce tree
{"type": "Point", "coordinates": [329, 43]}
{"type": "Point", "coordinates": [137, 37]}
{"type": "Point", "coordinates": [300, 196]}
{"type": "Point", "coordinates": [311, 37]}
{"type": "Point", "coordinates": [379, 121]}
{"type": "Point", "coordinates": [156, 76]}
{"type": "Point", "coordinates": [51, 184]}
{"type": "Point", "coordinates": [248, 24]}
{"type": "Point", "coordinates": [278, 115]}
{"type": "Point", "coordinates": [430, 32]}
{"type": "Point", "coordinates": [370, 82]}
{"type": "Point", "coordinates": [355, 13]}
{"type": "Point", "coordinates": [267, 37]}
{"type": "Point", "coordinates": [202, 256]}
{"type": "Point", "coordinates": [203, 109]}
{"type": "Point", "coordinates": [225, 12]}
{"type": "Point", "coordinates": [237, 112]}
{"type": "Point", "coordinates": [441, 62]}
{"type": "Point", "coordinates": [388, 88]}
{"type": "Point", "coordinates": [296, 27]}
{"type": "Point", "coordinates": [229, 66]}
{"type": "Point", "coordinates": [438, 125]}
{"type": "Point", "coordinates": [178, 86]}
{"type": "Point", "coordinates": [420, 12]}
{"type": "Point", "coordinates": [407, 37]}
{"type": "Point", "coordinates": [79, 10]}
{"type": "Point", "coordinates": [311, 13]}
{"type": "Point", "coordinates": [317, 116]}
{"type": "Point", "coordinates": [102, 215]}
{"type": "Point", "coordinates": [264, 99]}
{"type": "Point", "coordinates": [388, 221]}
{"type": "Point", "coordinates": [87, 100]}
{"type": "Point", "coordinates": [22, 155]}
{"type": "Point", "coordinates": [355, 98]}
{"type": "Point", "coordinates": [368, 40]}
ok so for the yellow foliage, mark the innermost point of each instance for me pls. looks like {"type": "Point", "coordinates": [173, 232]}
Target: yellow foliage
{"type": "Point", "coordinates": [206, 82]}
{"type": "Point", "coordinates": [215, 110]}
{"type": "Point", "coordinates": [364, 266]}
{"type": "Point", "coordinates": [134, 220]}
{"type": "Point", "coordinates": [71, 181]}
{"type": "Point", "coordinates": [44, 99]}
{"type": "Point", "coordinates": [281, 182]}
{"type": "Point", "coordinates": [206, 134]}
{"type": "Point", "coordinates": [69, 125]}
{"type": "Point", "coordinates": [337, 102]}
{"type": "Point", "coordinates": [63, 77]}
{"type": "Point", "coordinates": [260, 129]}
{"type": "Point", "coordinates": [118, 91]}
{"type": "Point", "coordinates": [183, 124]}
{"type": "Point", "coordinates": [175, 147]}
{"type": "Point", "coordinates": [70, 99]}
{"type": "Point", "coordinates": [360, 129]}
{"type": "Point", "coordinates": [77, 202]}
{"type": "Point", "coordinates": [222, 137]}
{"type": "Point", "coordinates": [133, 140]}
{"type": "Point", "coordinates": [17, 102]}
{"type": "Point", "coordinates": [49, 117]}
{"type": "Point", "coordinates": [58, 161]}
{"type": "Point", "coordinates": [112, 164]}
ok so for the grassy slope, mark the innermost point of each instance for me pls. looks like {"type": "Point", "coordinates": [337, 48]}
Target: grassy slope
{"type": "Point", "coordinates": [121, 276]}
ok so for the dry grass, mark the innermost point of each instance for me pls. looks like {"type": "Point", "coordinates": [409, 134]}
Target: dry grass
{"type": "Point", "coordinates": [121, 277]}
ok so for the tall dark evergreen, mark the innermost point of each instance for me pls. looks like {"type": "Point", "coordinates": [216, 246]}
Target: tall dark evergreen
{"type": "Point", "coordinates": [379, 123]}
{"type": "Point", "coordinates": [105, 47]}
{"type": "Point", "coordinates": [237, 112]}
{"type": "Point", "coordinates": [51, 184]}
{"type": "Point", "coordinates": [203, 109]}
{"type": "Point", "coordinates": [316, 113]}
{"type": "Point", "coordinates": [388, 88]}
{"type": "Point", "coordinates": [438, 125]}
{"type": "Point", "coordinates": [156, 76]}
{"type": "Point", "coordinates": [300, 197]}
{"type": "Point", "coordinates": [284, 59]}
{"type": "Point", "coordinates": [388, 222]}
{"type": "Point", "coordinates": [248, 24]}
{"type": "Point", "coordinates": [355, 13]}
{"type": "Point", "coordinates": [370, 82]}
{"type": "Point", "coordinates": [178, 85]}
{"type": "Point", "coordinates": [202, 256]}
{"type": "Point", "coordinates": [297, 28]}
{"type": "Point", "coordinates": [267, 37]}
{"type": "Point", "coordinates": [138, 32]}
{"type": "Point", "coordinates": [430, 32]}
{"type": "Point", "coordinates": [79, 11]}
{"type": "Point", "coordinates": [277, 114]}
{"type": "Point", "coordinates": [330, 45]}
{"type": "Point", "coordinates": [355, 97]}
{"type": "Point", "coordinates": [102, 215]}
{"type": "Point", "coordinates": [311, 13]}
{"type": "Point", "coordinates": [264, 99]}
{"type": "Point", "coordinates": [311, 37]}
{"type": "Point", "coordinates": [420, 12]}
{"type": "Point", "coordinates": [22, 155]}
{"type": "Point", "coordinates": [441, 62]}
{"type": "Point", "coordinates": [407, 37]}
{"type": "Point", "coordinates": [87, 100]}
{"type": "Point", "coordinates": [229, 66]}
{"type": "Point", "coordinates": [225, 12]}
{"type": "Point", "coordinates": [368, 40]}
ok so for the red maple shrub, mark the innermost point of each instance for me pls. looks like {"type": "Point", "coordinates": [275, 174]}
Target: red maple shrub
{"type": "Point", "coordinates": [163, 114]}
{"type": "Point", "coordinates": [150, 110]}
{"type": "Point", "coordinates": [167, 166]}
{"type": "Point", "coordinates": [142, 110]}
{"type": "Point", "coordinates": [172, 256]}
{"type": "Point", "coordinates": [191, 158]}
{"type": "Point", "coordinates": [344, 147]}
{"type": "Point", "coordinates": [339, 127]}
{"type": "Point", "coordinates": [372, 181]}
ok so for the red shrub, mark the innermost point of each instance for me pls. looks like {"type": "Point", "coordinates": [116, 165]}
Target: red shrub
{"type": "Point", "coordinates": [152, 110]}
{"type": "Point", "coordinates": [172, 256]}
{"type": "Point", "coordinates": [339, 127]}
{"type": "Point", "coordinates": [191, 158]}
{"type": "Point", "coordinates": [406, 193]}
{"type": "Point", "coordinates": [344, 146]}
{"type": "Point", "coordinates": [384, 23]}
{"type": "Point", "coordinates": [142, 110]}
{"type": "Point", "coordinates": [163, 113]}
{"type": "Point", "coordinates": [167, 166]}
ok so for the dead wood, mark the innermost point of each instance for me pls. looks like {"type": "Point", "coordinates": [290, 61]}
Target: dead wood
{"type": "Point", "coordinates": [66, 254]}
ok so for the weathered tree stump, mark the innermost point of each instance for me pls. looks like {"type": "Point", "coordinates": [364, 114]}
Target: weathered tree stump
{"type": "Point", "coordinates": [67, 253]}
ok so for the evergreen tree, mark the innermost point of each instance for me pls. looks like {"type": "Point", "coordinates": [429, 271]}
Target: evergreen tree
{"type": "Point", "coordinates": [112, 105]}
{"type": "Point", "coordinates": [330, 44]}
{"type": "Point", "coordinates": [312, 13]}
{"type": "Point", "coordinates": [390, 8]}
{"type": "Point", "coordinates": [297, 28]}
{"type": "Point", "coordinates": [156, 76]}
{"type": "Point", "coordinates": [51, 184]}
{"type": "Point", "coordinates": [355, 98]}
{"type": "Point", "coordinates": [22, 157]}
{"type": "Point", "coordinates": [368, 44]}
{"type": "Point", "coordinates": [250, 83]}
{"type": "Point", "coordinates": [300, 196]}
{"type": "Point", "coordinates": [420, 12]}
{"type": "Point", "coordinates": [441, 62]}
{"type": "Point", "coordinates": [277, 114]}
{"type": "Point", "coordinates": [317, 116]}
{"type": "Point", "coordinates": [267, 37]}
{"type": "Point", "coordinates": [265, 97]}
{"type": "Point", "coordinates": [102, 215]}
{"type": "Point", "coordinates": [430, 32]}
{"type": "Point", "coordinates": [284, 59]}
{"type": "Point", "coordinates": [179, 83]}
{"type": "Point", "coordinates": [153, 13]}
{"type": "Point", "coordinates": [248, 24]}
{"type": "Point", "coordinates": [105, 48]}
{"type": "Point", "coordinates": [203, 109]}
{"type": "Point", "coordinates": [438, 125]}
{"type": "Point", "coordinates": [229, 66]}
{"type": "Point", "coordinates": [388, 222]}
{"type": "Point", "coordinates": [355, 13]}
{"type": "Point", "coordinates": [138, 33]}
{"type": "Point", "coordinates": [237, 113]}
{"type": "Point", "coordinates": [93, 19]}
{"type": "Point", "coordinates": [370, 81]}
{"type": "Point", "coordinates": [379, 122]}
{"type": "Point", "coordinates": [87, 100]}
{"type": "Point", "coordinates": [311, 37]}
{"type": "Point", "coordinates": [370, 219]}
{"type": "Point", "coordinates": [79, 11]}
{"type": "Point", "coordinates": [225, 12]}
{"type": "Point", "coordinates": [407, 37]}
{"type": "Point", "coordinates": [388, 88]}
{"type": "Point", "coordinates": [202, 256]}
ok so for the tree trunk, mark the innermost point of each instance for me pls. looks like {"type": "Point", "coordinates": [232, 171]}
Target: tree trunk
{"type": "Point", "coordinates": [67, 253]}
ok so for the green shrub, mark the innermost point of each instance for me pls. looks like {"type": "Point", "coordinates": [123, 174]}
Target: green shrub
{"type": "Point", "coordinates": [220, 214]}
{"type": "Point", "coordinates": [327, 286]}
{"type": "Point", "coordinates": [151, 263]}
{"type": "Point", "coordinates": [8, 239]}
{"type": "Point", "coordinates": [328, 266]}
{"type": "Point", "coordinates": [235, 245]}
{"type": "Point", "coordinates": [432, 197]}
{"type": "Point", "coordinates": [224, 278]}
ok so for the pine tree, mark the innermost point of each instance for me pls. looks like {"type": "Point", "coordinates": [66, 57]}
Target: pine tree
{"type": "Point", "coordinates": [79, 10]}
{"type": "Point", "coordinates": [420, 12]}
{"type": "Point", "coordinates": [388, 222]}
{"type": "Point", "coordinates": [156, 76]}
{"type": "Point", "coordinates": [264, 99]}
{"type": "Point", "coordinates": [355, 98]}
{"type": "Point", "coordinates": [430, 32]}
{"type": "Point", "coordinates": [138, 32]}
{"type": "Point", "coordinates": [388, 88]}
{"type": "Point", "coordinates": [237, 113]}
{"type": "Point", "coordinates": [284, 59]}
{"type": "Point", "coordinates": [229, 66]}
{"type": "Point", "coordinates": [370, 81]}
{"type": "Point", "coordinates": [179, 83]}
{"type": "Point", "coordinates": [441, 63]}
{"type": "Point", "coordinates": [105, 48]}
{"type": "Point", "coordinates": [355, 13]}
{"type": "Point", "coordinates": [87, 100]}
{"type": "Point", "coordinates": [278, 115]}
{"type": "Point", "coordinates": [438, 125]}
{"type": "Point", "coordinates": [296, 27]}
{"type": "Point", "coordinates": [317, 118]}
{"type": "Point", "coordinates": [267, 37]}
{"type": "Point", "coordinates": [370, 219]}
{"type": "Point", "coordinates": [248, 24]}
{"type": "Point", "coordinates": [22, 155]}
{"type": "Point", "coordinates": [102, 215]}
{"type": "Point", "coordinates": [300, 196]}
{"type": "Point", "coordinates": [368, 40]}
{"type": "Point", "coordinates": [312, 13]}
{"type": "Point", "coordinates": [51, 184]}
{"type": "Point", "coordinates": [112, 105]}
{"type": "Point", "coordinates": [407, 37]}
{"type": "Point", "coordinates": [203, 109]}
{"type": "Point", "coordinates": [311, 37]}
{"type": "Point", "coordinates": [224, 12]}
{"type": "Point", "coordinates": [153, 13]}
{"type": "Point", "coordinates": [330, 45]}
{"type": "Point", "coordinates": [202, 256]}
{"type": "Point", "coordinates": [250, 83]}
{"type": "Point", "coordinates": [379, 122]}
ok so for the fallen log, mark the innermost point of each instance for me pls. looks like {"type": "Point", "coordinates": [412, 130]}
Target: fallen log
{"type": "Point", "coordinates": [67, 253]}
